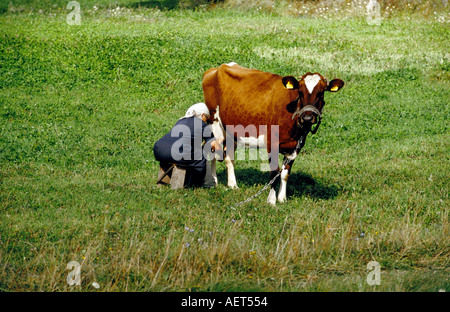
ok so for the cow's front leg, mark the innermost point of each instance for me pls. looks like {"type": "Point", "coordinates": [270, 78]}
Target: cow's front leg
{"type": "Point", "coordinates": [274, 170]}
{"type": "Point", "coordinates": [283, 183]}
{"type": "Point", "coordinates": [272, 150]}
{"type": "Point", "coordinates": [285, 172]}
{"type": "Point", "coordinates": [272, 198]}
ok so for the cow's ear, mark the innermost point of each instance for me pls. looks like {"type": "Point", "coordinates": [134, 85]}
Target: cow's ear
{"type": "Point", "coordinates": [290, 83]}
{"type": "Point", "coordinates": [335, 85]}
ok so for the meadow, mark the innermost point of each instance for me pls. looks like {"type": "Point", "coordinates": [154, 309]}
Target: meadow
{"type": "Point", "coordinates": [82, 105]}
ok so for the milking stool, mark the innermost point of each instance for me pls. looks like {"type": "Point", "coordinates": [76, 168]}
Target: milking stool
{"type": "Point", "coordinates": [172, 174]}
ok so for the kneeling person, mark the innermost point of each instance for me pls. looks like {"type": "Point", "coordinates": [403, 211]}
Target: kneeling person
{"type": "Point", "coordinates": [187, 144]}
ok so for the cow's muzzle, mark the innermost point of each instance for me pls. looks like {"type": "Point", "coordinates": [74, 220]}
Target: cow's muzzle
{"type": "Point", "coordinates": [310, 115]}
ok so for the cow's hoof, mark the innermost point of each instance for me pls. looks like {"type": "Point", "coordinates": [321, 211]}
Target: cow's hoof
{"type": "Point", "coordinates": [281, 199]}
{"type": "Point", "coordinates": [272, 199]}
{"type": "Point", "coordinates": [209, 185]}
{"type": "Point", "coordinates": [233, 186]}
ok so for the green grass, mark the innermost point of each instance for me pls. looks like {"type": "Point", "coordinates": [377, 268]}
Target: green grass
{"type": "Point", "coordinates": [81, 107]}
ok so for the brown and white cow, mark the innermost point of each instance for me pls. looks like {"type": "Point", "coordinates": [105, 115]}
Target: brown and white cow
{"type": "Point", "coordinates": [255, 107]}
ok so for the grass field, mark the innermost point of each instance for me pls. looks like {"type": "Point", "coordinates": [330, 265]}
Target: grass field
{"type": "Point", "coordinates": [82, 105]}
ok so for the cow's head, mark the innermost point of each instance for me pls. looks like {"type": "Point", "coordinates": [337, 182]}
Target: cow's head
{"type": "Point", "coordinates": [311, 89]}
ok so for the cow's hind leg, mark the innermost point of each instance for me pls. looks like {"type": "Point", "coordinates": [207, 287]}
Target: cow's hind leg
{"type": "Point", "coordinates": [229, 162]}
{"type": "Point", "coordinates": [230, 171]}
{"type": "Point", "coordinates": [219, 134]}
{"type": "Point", "coordinates": [211, 175]}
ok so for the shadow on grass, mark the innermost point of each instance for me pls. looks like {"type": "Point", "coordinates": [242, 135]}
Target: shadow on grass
{"type": "Point", "coordinates": [299, 184]}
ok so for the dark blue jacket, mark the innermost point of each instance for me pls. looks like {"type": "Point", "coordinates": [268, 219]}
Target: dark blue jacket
{"type": "Point", "coordinates": [185, 144]}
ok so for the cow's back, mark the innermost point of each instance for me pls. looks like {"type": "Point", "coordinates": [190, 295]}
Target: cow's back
{"type": "Point", "coordinates": [245, 96]}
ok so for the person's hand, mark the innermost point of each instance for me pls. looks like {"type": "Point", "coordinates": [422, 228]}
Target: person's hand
{"type": "Point", "coordinates": [215, 146]}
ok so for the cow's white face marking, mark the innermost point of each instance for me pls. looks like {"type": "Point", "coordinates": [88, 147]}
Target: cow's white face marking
{"type": "Point", "coordinates": [311, 82]}
{"type": "Point", "coordinates": [231, 63]}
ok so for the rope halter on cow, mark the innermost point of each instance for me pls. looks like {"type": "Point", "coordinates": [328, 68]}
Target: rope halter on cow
{"type": "Point", "coordinates": [309, 108]}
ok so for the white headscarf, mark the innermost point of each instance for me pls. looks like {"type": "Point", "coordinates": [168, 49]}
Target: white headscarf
{"type": "Point", "coordinates": [197, 110]}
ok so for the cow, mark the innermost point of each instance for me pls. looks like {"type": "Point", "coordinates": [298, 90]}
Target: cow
{"type": "Point", "coordinates": [260, 108]}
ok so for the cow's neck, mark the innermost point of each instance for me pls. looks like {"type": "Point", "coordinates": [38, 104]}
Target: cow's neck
{"type": "Point", "coordinates": [302, 131]}
{"type": "Point", "coordinates": [302, 138]}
